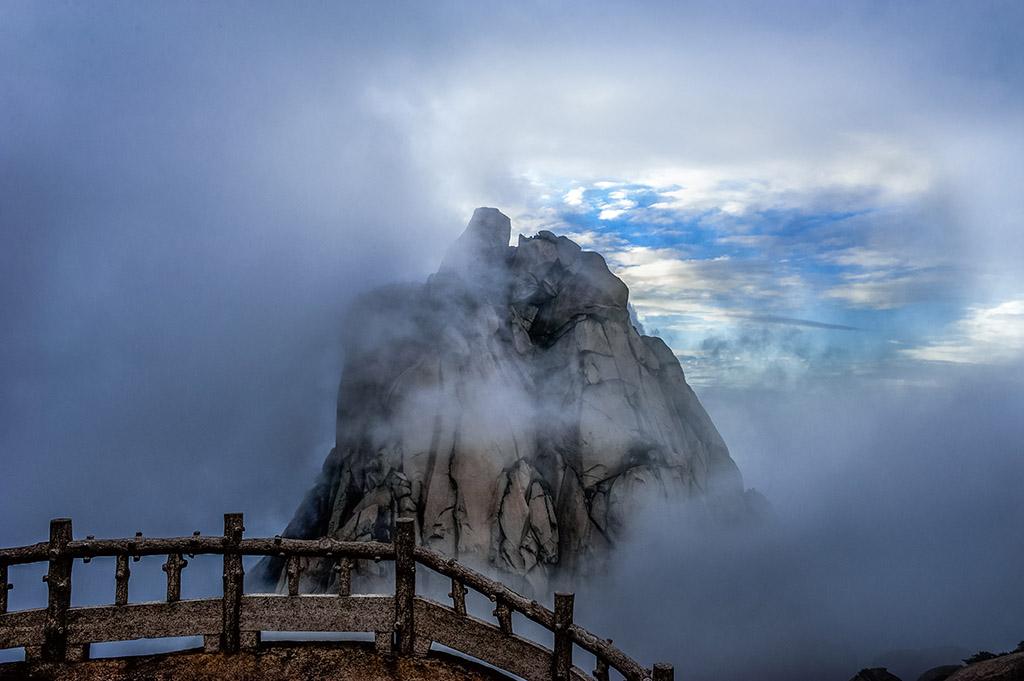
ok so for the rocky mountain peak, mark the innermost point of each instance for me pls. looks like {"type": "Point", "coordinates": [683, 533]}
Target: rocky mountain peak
{"type": "Point", "coordinates": [482, 246]}
{"type": "Point", "coordinates": [512, 409]}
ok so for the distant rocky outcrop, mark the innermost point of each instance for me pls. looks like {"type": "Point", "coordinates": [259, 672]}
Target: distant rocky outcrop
{"type": "Point", "coordinates": [1002, 667]}
{"type": "Point", "coordinates": [511, 407]}
{"type": "Point", "coordinates": [875, 674]}
{"type": "Point", "coordinates": [940, 673]}
{"type": "Point", "coordinates": [907, 663]}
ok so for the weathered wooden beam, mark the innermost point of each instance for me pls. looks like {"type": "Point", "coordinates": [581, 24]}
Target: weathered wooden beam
{"type": "Point", "coordinates": [318, 547]}
{"type": "Point", "coordinates": [483, 640]}
{"type": "Point", "coordinates": [18, 555]}
{"type": "Point", "coordinates": [599, 647]}
{"type": "Point", "coordinates": [173, 567]}
{"type": "Point", "coordinates": [488, 587]}
{"type": "Point", "coordinates": [604, 649]}
{"type": "Point", "coordinates": [234, 577]}
{"type": "Point", "coordinates": [458, 596]}
{"type": "Point", "coordinates": [154, 546]}
{"type": "Point", "coordinates": [122, 573]}
{"type": "Point", "coordinates": [561, 659]}
{"type": "Point", "coordinates": [58, 582]}
{"type": "Point", "coordinates": [405, 584]}
{"type": "Point", "coordinates": [663, 672]}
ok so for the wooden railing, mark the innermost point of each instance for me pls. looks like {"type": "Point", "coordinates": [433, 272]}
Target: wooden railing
{"type": "Point", "coordinates": [403, 624]}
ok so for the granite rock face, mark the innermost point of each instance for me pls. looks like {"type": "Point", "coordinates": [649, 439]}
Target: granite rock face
{"type": "Point", "coordinates": [510, 406]}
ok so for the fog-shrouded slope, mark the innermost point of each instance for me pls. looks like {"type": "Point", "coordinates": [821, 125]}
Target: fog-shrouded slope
{"type": "Point", "coordinates": [510, 406]}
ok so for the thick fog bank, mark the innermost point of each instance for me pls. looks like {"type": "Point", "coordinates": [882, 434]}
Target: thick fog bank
{"type": "Point", "coordinates": [896, 527]}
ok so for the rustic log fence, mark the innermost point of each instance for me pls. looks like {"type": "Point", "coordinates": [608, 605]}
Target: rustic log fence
{"type": "Point", "coordinates": [403, 624]}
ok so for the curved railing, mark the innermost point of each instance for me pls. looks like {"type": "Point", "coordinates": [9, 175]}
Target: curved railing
{"type": "Point", "coordinates": [403, 624]}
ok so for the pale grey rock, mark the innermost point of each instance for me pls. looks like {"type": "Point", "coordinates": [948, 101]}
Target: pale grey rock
{"type": "Point", "coordinates": [511, 407]}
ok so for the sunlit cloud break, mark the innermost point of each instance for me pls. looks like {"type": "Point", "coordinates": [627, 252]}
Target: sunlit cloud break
{"type": "Point", "coordinates": [986, 335]}
{"type": "Point", "coordinates": [707, 257]}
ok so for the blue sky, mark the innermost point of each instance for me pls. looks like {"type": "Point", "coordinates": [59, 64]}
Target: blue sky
{"type": "Point", "coordinates": [746, 287]}
{"type": "Point", "coordinates": [759, 179]}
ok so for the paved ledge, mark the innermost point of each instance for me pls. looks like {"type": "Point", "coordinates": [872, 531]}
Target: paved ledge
{"type": "Point", "coordinates": [274, 660]}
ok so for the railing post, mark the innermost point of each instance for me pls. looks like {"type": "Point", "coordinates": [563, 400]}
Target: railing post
{"type": "Point", "coordinates": [663, 672]}
{"type": "Point", "coordinates": [294, 572]}
{"type": "Point", "coordinates": [58, 581]}
{"type": "Point", "coordinates": [405, 585]}
{"type": "Point", "coordinates": [4, 587]}
{"type": "Point", "coordinates": [122, 572]}
{"type": "Point", "coordinates": [561, 658]}
{"type": "Point", "coordinates": [344, 568]}
{"type": "Point", "coordinates": [458, 596]}
{"type": "Point", "coordinates": [504, 615]}
{"type": "Point", "coordinates": [234, 577]}
{"type": "Point", "coordinates": [173, 567]}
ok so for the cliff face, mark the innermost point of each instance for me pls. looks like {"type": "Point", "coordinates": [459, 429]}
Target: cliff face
{"type": "Point", "coordinates": [511, 407]}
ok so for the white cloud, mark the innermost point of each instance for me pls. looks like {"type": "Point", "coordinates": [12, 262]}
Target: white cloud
{"type": "Point", "coordinates": [986, 335]}
{"type": "Point", "coordinates": [595, 241]}
{"type": "Point", "coordinates": [746, 240]}
{"type": "Point", "coordinates": [864, 258]}
{"type": "Point", "coordinates": [880, 292]}
{"type": "Point", "coordinates": [881, 279]}
{"type": "Point", "coordinates": [872, 171]}
{"type": "Point", "coordinates": [665, 281]}
{"type": "Point", "coordinates": [574, 197]}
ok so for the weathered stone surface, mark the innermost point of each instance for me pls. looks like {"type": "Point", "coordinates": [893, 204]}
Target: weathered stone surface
{"type": "Point", "coordinates": [512, 408]}
{"type": "Point", "coordinates": [1003, 668]}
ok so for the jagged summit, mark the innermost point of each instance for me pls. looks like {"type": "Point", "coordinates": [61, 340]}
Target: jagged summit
{"type": "Point", "coordinates": [509, 405]}
{"type": "Point", "coordinates": [484, 242]}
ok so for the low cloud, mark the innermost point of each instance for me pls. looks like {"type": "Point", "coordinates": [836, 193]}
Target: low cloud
{"type": "Point", "coordinates": [891, 529]}
{"type": "Point", "coordinates": [986, 335]}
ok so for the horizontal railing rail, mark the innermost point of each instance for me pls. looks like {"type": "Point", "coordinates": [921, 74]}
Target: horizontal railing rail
{"type": "Point", "coordinates": [404, 623]}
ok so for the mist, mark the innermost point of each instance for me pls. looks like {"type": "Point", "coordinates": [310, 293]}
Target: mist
{"type": "Point", "coordinates": [892, 529]}
{"type": "Point", "coordinates": [182, 231]}
{"type": "Point", "coordinates": [192, 195]}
